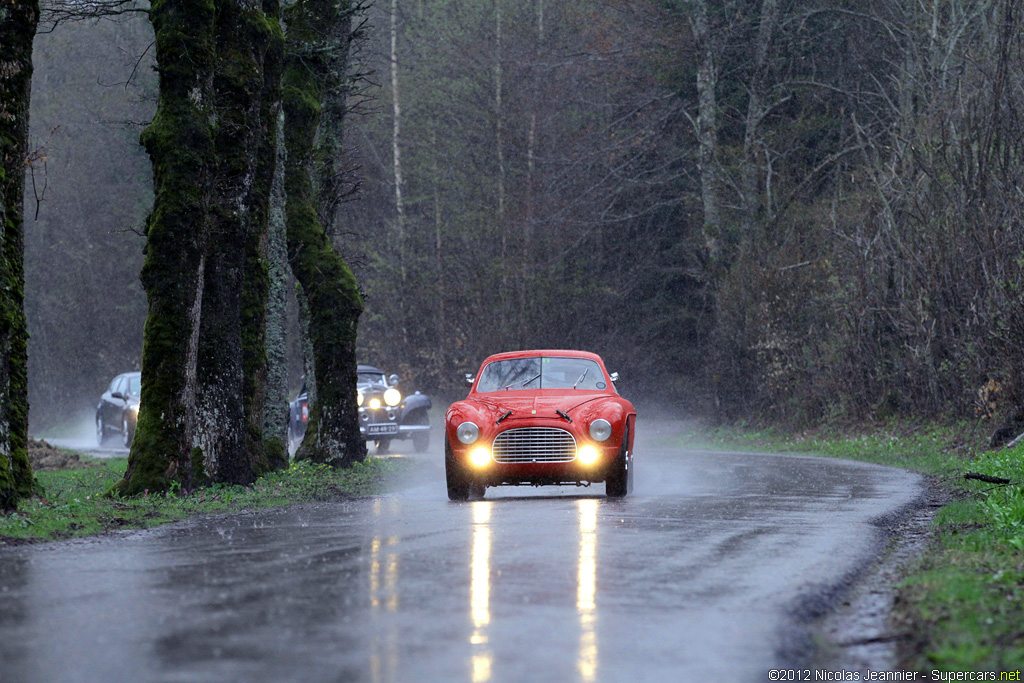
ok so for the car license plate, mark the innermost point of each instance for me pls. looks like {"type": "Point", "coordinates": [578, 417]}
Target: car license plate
{"type": "Point", "coordinates": [382, 429]}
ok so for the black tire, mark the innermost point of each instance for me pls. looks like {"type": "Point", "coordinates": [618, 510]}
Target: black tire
{"type": "Point", "coordinates": [101, 432]}
{"type": "Point", "coordinates": [619, 481]}
{"type": "Point", "coordinates": [383, 445]}
{"type": "Point", "coordinates": [455, 478]}
{"type": "Point", "coordinates": [420, 440]}
{"type": "Point", "coordinates": [127, 432]}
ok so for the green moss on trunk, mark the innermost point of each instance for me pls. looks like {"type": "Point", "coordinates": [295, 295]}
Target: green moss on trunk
{"type": "Point", "coordinates": [18, 21]}
{"type": "Point", "coordinates": [180, 142]}
{"type": "Point", "coordinates": [318, 31]}
{"type": "Point", "coordinates": [267, 449]}
{"type": "Point", "coordinates": [232, 357]}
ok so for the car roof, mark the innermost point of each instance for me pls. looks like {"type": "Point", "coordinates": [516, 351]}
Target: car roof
{"type": "Point", "coordinates": [368, 368]}
{"type": "Point", "coordinates": [544, 352]}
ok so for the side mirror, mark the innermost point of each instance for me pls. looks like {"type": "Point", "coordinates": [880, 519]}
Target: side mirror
{"type": "Point", "coordinates": [470, 378]}
{"type": "Point", "coordinates": [118, 394]}
{"type": "Point", "coordinates": [615, 376]}
{"type": "Point", "coordinates": [393, 380]}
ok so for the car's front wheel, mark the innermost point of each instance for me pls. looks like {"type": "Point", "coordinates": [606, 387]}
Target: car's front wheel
{"type": "Point", "coordinates": [101, 432]}
{"type": "Point", "coordinates": [383, 445]}
{"type": "Point", "coordinates": [619, 481]}
{"type": "Point", "coordinates": [458, 487]}
{"type": "Point", "coordinates": [127, 432]}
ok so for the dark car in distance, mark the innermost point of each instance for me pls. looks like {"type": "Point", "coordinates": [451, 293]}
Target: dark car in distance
{"type": "Point", "coordinates": [385, 413]}
{"type": "Point", "coordinates": [118, 410]}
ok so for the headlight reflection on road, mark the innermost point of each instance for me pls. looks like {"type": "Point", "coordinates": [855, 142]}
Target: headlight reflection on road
{"type": "Point", "coordinates": [480, 591]}
{"type": "Point", "coordinates": [586, 591]}
{"type": "Point", "coordinates": [384, 565]}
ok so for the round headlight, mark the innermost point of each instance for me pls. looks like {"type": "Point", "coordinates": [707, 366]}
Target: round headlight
{"type": "Point", "coordinates": [468, 432]}
{"type": "Point", "coordinates": [359, 398]}
{"type": "Point", "coordinates": [392, 397]}
{"type": "Point", "coordinates": [374, 403]}
{"type": "Point", "coordinates": [600, 430]}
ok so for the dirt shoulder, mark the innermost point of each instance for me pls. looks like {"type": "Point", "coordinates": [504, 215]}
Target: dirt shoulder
{"type": "Point", "coordinates": [868, 631]}
{"type": "Point", "coordinates": [45, 457]}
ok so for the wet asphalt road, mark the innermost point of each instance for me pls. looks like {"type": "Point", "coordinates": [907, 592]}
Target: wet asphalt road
{"type": "Point", "coordinates": [699, 576]}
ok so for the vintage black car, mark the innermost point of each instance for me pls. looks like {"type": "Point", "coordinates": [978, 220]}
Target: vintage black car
{"type": "Point", "coordinates": [118, 410]}
{"type": "Point", "coordinates": [384, 413]}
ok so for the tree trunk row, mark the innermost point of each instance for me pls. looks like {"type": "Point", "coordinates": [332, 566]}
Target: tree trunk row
{"type": "Point", "coordinates": [224, 68]}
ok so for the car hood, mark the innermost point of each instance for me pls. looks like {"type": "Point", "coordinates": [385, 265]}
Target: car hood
{"type": "Point", "coordinates": [531, 407]}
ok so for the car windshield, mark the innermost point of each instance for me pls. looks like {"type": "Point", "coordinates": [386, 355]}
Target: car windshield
{"type": "Point", "coordinates": [557, 372]}
{"type": "Point", "coordinates": [371, 378]}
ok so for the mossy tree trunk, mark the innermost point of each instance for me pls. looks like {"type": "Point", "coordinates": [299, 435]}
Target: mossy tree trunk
{"type": "Point", "coordinates": [232, 352]}
{"type": "Point", "coordinates": [212, 144]}
{"type": "Point", "coordinates": [180, 143]}
{"type": "Point", "coordinates": [18, 21]}
{"type": "Point", "coordinates": [275, 409]}
{"type": "Point", "coordinates": [318, 40]}
{"type": "Point", "coordinates": [265, 371]}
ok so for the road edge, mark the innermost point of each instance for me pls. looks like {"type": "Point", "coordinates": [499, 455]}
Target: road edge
{"type": "Point", "coordinates": [853, 626]}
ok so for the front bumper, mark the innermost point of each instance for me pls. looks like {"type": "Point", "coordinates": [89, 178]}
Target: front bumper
{"type": "Point", "coordinates": [573, 472]}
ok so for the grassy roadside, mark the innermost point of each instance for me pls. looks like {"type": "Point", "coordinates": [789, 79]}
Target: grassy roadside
{"type": "Point", "coordinates": [72, 503]}
{"type": "Point", "coordinates": [963, 601]}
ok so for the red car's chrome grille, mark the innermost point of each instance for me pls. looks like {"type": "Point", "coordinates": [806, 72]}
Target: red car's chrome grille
{"type": "Point", "coordinates": [534, 444]}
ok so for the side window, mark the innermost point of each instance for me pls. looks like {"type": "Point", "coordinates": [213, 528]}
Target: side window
{"type": "Point", "coordinates": [134, 385]}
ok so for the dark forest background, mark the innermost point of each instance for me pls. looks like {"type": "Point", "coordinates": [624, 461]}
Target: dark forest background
{"type": "Point", "coordinates": [787, 211]}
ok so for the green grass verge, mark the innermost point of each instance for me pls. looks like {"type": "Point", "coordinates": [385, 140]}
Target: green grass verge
{"type": "Point", "coordinates": [73, 502]}
{"type": "Point", "coordinates": [963, 601]}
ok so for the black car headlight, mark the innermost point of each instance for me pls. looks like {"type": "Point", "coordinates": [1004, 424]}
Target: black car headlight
{"type": "Point", "coordinates": [600, 430]}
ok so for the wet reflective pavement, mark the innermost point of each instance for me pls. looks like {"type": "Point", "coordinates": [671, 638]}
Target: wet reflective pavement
{"type": "Point", "coordinates": [701, 575]}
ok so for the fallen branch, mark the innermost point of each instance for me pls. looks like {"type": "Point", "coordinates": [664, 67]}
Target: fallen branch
{"type": "Point", "coordinates": [1015, 441]}
{"type": "Point", "coordinates": [986, 478]}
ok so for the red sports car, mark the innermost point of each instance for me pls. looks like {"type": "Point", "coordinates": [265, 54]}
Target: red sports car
{"type": "Point", "coordinates": [540, 417]}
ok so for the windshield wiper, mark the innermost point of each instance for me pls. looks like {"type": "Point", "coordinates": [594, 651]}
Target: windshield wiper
{"type": "Point", "coordinates": [581, 377]}
{"type": "Point", "coordinates": [509, 386]}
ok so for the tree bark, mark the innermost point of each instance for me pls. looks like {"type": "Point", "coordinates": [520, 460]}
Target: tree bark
{"type": "Point", "coordinates": [18, 21]}
{"type": "Point", "coordinates": [707, 128]}
{"type": "Point", "coordinates": [275, 410]}
{"type": "Point", "coordinates": [757, 107]}
{"type": "Point", "coordinates": [396, 156]}
{"type": "Point", "coordinates": [231, 368]}
{"type": "Point", "coordinates": [236, 85]}
{"type": "Point", "coordinates": [319, 31]}
{"type": "Point", "coordinates": [180, 143]}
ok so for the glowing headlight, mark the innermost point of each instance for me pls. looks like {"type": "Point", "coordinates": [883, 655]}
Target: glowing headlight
{"type": "Point", "coordinates": [480, 456]}
{"type": "Point", "coordinates": [392, 397]}
{"type": "Point", "coordinates": [134, 408]}
{"type": "Point", "coordinates": [359, 399]}
{"type": "Point", "coordinates": [600, 430]}
{"type": "Point", "coordinates": [468, 432]}
{"type": "Point", "coordinates": [587, 455]}
{"type": "Point", "coordinates": [374, 403]}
